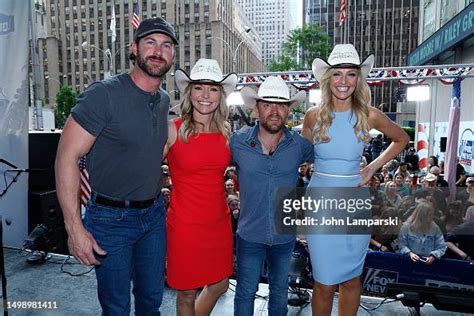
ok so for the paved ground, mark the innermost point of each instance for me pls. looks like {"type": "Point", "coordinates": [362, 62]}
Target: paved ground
{"type": "Point", "coordinates": [76, 295]}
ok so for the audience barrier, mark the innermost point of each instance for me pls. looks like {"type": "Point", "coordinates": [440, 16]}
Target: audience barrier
{"type": "Point", "coordinates": [382, 268]}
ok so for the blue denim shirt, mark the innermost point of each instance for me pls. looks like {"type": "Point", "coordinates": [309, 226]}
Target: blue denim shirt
{"type": "Point", "coordinates": [431, 243]}
{"type": "Point", "coordinates": [260, 175]}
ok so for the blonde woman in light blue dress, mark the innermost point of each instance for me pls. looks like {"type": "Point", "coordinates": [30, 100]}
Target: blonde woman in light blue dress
{"type": "Point", "coordinates": [339, 129]}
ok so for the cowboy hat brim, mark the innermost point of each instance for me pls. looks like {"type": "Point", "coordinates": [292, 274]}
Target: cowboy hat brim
{"type": "Point", "coordinates": [182, 80]}
{"type": "Point", "coordinates": [250, 97]}
{"type": "Point", "coordinates": [320, 66]}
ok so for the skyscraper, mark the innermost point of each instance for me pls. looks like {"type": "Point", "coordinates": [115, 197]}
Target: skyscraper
{"type": "Point", "coordinates": [271, 19]}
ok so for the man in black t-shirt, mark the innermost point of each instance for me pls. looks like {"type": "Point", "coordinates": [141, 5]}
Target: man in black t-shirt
{"type": "Point", "coordinates": [412, 160]}
{"type": "Point", "coordinates": [460, 174]}
{"type": "Point", "coordinates": [121, 124]}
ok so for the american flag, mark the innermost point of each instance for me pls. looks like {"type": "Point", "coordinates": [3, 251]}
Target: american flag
{"type": "Point", "coordinates": [451, 156]}
{"type": "Point", "coordinates": [85, 189]}
{"type": "Point", "coordinates": [136, 17]}
{"type": "Point", "coordinates": [113, 23]}
{"type": "Point", "coordinates": [342, 15]}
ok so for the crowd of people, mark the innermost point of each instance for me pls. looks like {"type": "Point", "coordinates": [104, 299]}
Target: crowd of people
{"type": "Point", "coordinates": [146, 219]}
{"type": "Point", "coordinates": [420, 200]}
{"type": "Point", "coordinates": [429, 217]}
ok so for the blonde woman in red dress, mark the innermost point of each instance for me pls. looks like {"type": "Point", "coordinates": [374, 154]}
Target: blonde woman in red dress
{"type": "Point", "coordinates": [199, 231]}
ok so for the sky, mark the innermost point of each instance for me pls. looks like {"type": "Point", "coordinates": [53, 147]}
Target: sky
{"type": "Point", "coordinates": [296, 13]}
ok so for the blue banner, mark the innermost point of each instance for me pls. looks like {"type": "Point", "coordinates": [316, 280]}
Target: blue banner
{"type": "Point", "coordinates": [382, 268]}
{"type": "Point", "coordinates": [456, 30]}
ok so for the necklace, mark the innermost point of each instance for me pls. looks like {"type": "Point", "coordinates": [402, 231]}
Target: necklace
{"type": "Point", "coordinates": [270, 149]}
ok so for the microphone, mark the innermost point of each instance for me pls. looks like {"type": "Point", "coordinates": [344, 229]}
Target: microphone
{"type": "Point", "coordinates": [7, 163]}
{"type": "Point", "coordinates": [25, 170]}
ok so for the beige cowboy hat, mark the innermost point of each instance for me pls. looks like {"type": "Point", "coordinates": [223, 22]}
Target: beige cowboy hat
{"type": "Point", "coordinates": [431, 177]}
{"type": "Point", "coordinates": [205, 71]}
{"type": "Point", "coordinates": [273, 89]}
{"type": "Point", "coordinates": [343, 56]}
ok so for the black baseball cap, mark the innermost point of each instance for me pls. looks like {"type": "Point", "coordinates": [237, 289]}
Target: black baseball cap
{"type": "Point", "coordinates": [156, 25]}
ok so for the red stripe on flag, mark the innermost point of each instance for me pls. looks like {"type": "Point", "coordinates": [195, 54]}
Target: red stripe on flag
{"type": "Point", "coordinates": [85, 187]}
{"type": "Point", "coordinates": [342, 14]}
{"type": "Point", "coordinates": [136, 16]}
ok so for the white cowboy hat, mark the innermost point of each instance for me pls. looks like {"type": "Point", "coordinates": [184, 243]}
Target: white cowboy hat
{"type": "Point", "coordinates": [343, 56]}
{"type": "Point", "coordinates": [273, 89]}
{"type": "Point", "coordinates": [431, 177]}
{"type": "Point", "coordinates": [206, 71]}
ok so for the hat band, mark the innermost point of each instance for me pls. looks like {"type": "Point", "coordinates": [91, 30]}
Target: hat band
{"type": "Point", "coordinates": [346, 65]}
{"type": "Point", "coordinates": [206, 81]}
{"type": "Point", "coordinates": [272, 97]}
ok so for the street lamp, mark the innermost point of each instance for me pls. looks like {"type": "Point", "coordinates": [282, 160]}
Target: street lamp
{"type": "Point", "coordinates": [53, 79]}
{"type": "Point", "coordinates": [107, 54]}
{"type": "Point", "coordinates": [234, 99]}
{"type": "Point", "coordinates": [53, 91]}
{"type": "Point", "coordinates": [115, 56]}
{"type": "Point", "coordinates": [233, 53]}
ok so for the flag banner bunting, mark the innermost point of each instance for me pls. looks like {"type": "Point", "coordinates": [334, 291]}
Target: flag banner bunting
{"type": "Point", "coordinates": [304, 80]}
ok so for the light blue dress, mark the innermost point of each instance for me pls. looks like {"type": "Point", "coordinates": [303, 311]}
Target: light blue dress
{"type": "Point", "coordinates": [338, 258]}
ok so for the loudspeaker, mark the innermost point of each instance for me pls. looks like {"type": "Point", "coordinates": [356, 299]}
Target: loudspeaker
{"type": "Point", "coordinates": [442, 144]}
{"type": "Point", "coordinates": [42, 155]}
{"type": "Point", "coordinates": [43, 208]}
{"type": "Point", "coordinates": [58, 241]}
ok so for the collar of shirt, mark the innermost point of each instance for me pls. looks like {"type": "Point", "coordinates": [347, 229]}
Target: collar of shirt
{"type": "Point", "coordinates": [253, 141]}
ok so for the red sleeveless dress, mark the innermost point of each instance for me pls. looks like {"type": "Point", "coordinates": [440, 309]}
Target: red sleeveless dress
{"type": "Point", "coordinates": [199, 231]}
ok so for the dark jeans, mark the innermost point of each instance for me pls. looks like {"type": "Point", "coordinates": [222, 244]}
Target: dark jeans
{"type": "Point", "coordinates": [250, 259]}
{"type": "Point", "coordinates": [135, 242]}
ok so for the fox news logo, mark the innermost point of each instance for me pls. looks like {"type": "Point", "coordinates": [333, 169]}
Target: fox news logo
{"type": "Point", "coordinates": [376, 280]}
{"type": "Point", "coordinates": [6, 24]}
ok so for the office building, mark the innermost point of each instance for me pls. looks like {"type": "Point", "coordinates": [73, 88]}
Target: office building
{"type": "Point", "coordinates": [271, 19]}
{"type": "Point", "coordinates": [75, 42]}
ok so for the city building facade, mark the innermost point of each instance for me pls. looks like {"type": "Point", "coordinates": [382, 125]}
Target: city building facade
{"type": "Point", "coordinates": [75, 39]}
{"type": "Point", "coordinates": [446, 37]}
{"type": "Point", "coordinates": [271, 19]}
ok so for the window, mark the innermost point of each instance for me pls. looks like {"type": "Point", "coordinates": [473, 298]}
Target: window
{"type": "Point", "coordinates": [429, 23]}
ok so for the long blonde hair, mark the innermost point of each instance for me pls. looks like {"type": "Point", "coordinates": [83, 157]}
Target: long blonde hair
{"type": "Point", "coordinates": [360, 106]}
{"type": "Point", "coordinates": [422, 218]}
{"type": "Point", "coordinates": [189, 127]}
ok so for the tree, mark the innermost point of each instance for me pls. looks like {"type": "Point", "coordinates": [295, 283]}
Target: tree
{"type": "Point", "coordinates": [410, 131]}
{"type": "Point", "coordinates": [282, 63]}
{"type": "Point", "coordinates": [302, 46]}
{"type": "Point", "coordinates": [65, 99]}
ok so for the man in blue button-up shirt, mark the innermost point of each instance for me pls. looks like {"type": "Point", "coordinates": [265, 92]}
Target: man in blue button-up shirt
{"type": "Point", "coordinates": [267, 157]}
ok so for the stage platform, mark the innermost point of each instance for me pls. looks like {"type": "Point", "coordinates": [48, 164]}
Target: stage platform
{"type": "Point", "coordinates": [76, 295]}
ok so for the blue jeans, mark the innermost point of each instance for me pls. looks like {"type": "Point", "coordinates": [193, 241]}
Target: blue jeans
{"type": "Point", "coordinates": [135, 242]}
{"type": "Point", "coordinates": [250, 260]}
